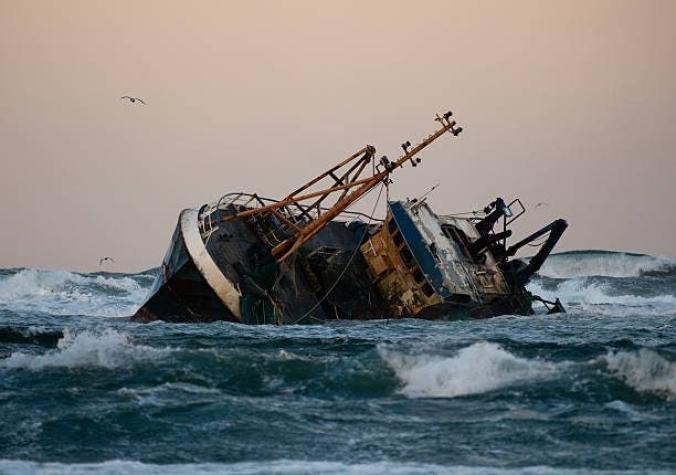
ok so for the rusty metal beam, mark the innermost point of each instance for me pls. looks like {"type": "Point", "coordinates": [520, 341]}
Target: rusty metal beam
{"type": "Point", "coordinates": [359, 166]}
{"type": "Point", "coordinates": [352, 187]}
{"type": "Point", "coordinates": [291, 245]}
{"type": "Point", "coordinates": [368, 149]}
{"type": "Point", "coordinates": [286, 220]}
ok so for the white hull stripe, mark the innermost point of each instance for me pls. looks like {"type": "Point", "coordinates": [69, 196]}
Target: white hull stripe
{"type": "Point", "coordinates": [223, 288]}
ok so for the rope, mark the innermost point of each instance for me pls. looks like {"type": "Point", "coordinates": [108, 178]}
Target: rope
{"type": "Point", "coordinates": [342, 273]}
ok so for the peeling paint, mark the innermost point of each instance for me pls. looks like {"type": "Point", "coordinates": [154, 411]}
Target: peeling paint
{"type": "Point", "coordinates": [444, 262]}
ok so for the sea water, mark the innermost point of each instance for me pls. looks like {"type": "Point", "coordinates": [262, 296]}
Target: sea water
{"type": "Point", "coordinates": [83, 390]}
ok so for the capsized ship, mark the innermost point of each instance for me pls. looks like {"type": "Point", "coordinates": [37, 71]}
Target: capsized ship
{"type": "Point", "coordinates": [308, 258]}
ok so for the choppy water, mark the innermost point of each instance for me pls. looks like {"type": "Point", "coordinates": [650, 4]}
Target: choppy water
{"type": "Point", "coordinates": [591, 391]}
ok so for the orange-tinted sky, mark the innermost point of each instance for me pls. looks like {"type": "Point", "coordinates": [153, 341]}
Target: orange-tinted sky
{"type": "Point", "coordinates": [572, 103]}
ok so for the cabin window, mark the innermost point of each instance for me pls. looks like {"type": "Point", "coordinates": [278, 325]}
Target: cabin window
{"type": "Point", "coordinates": [406, 256]}
{"type": "Point", "coordinates": [427, 289]}
{"type": "Point", "coordinates": [418, 275]}
{"type": "Point", "coordinates": [455, 234]}
{"type": "Point", "coordinates": [391, 226]}
{"type": "Point", "coordinates": [447, 230]}
{"type": "Point", "coordinates": [459, 237]}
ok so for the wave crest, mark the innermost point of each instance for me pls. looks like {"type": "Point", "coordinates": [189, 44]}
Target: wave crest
{"type": "Point", "coordinates": [644, 370]}
{"type": "Point", "coordinates": [604, 263]}
{"type": "Point", "coordinates": [291, 467]}
{"type": "Point", "coordinates": [32, 334]}
{"type": "Point", "coordinates": [586, 291]}
{"type": "Point", "coordinates": [478, 368]}
{"type": "Point", "coordinates": [70, 293]}
{"type": "Point", "coordinates": [108, 349]}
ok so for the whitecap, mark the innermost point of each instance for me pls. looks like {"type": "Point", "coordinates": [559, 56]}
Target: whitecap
{"type": "Point", "coordinates": [584, 291]}
{"type": "Point", "coordinates": [106, 349]}
{"type": "Point", "coordinates": [603, 263]}
{"type": "Point", "coordinates": [644, 370]}
{"type": "Point", "coordinates": [70, 293]}
{"type": "Point", "coordinates": [289, 467]}
{"type": "Point", "coordinates": [478, 368]}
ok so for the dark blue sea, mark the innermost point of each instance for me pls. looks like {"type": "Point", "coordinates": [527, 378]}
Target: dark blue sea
{"type": "Point", "coordinates": [83, 390]}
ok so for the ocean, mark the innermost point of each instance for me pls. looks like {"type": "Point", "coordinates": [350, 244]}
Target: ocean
{"type": "Point", "coordinates": [83, 390]}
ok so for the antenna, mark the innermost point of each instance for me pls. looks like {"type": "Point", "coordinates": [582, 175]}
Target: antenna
{"type": "Point", "coordinates": [423, 196]}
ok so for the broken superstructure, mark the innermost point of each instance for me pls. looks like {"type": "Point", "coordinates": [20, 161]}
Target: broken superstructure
{"type": "Point", "coordinates": [307, 258]}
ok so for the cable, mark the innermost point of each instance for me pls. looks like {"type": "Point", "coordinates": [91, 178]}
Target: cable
{"type": "Point", "coordinates": [342, 273]}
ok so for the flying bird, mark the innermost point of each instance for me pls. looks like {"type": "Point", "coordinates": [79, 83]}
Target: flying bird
{"type": "Point", "coordinates": [133, 99]}
{"type": "Point", "coordinates": [103, 260]}
{"type": "Point", "coordinates": [541, 203]}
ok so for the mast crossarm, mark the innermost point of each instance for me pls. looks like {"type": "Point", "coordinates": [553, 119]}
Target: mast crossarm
{"type": "Point", "coordinates": [294, 199]}
{"type": "Point", "coordinates": [349, 183]}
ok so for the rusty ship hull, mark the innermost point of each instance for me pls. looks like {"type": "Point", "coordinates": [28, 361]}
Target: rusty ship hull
{"type": "Point", "coordinates": [255, 260]}
{"type": "Point", "coordinates": [218, 275]}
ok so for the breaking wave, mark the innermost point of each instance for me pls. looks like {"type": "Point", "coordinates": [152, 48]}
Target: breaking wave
{"type": "Point", "coordinates": [566, 265]}
{"type": "Point", "coordinates": [533, 394]}
{"type": "Point", "coordinates": [71, 293]}
{"type": "Point", "coordinates": [289, 467]}
{"type": "Point", "coordinates": [108, 349]}
{"type": "Point", "coordinates": [577, 277]}
{"type": "Point", "coordinates": [484, 366]}
{"type": "Point", "coordinates": [478, 368]}
{"type": "Point", "coordinates": [31, 334]}
{"type": "Point", "coordinates": [588, 292]}
{"type": "Point", "coordinates": [644, 370]}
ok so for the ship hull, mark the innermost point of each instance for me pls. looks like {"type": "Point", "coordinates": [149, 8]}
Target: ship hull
{"type": "Point", "coordinates": [413, 263]}
{"type": "Point", "coordinates": [250, 259]}
{"type": "Point", "coordinates": [186, 288]}
{"type": "Point", "coordinates": [215, 279]}
{"type": "Point", "coordinates": [217, 276]}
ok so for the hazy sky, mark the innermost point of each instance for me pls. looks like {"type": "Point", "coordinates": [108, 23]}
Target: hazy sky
{"type": "Point", "coordinates": [571, 102]}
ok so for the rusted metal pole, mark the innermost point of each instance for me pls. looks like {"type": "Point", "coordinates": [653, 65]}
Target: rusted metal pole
{"type": "Point", "coordinates": [294, 199]}
{"type": "Point", "coordinates": [367, 150]}
{"type": "Point", "coordinates": [291, 245]}
{"type": "Point", "coordinates": [349, 195]}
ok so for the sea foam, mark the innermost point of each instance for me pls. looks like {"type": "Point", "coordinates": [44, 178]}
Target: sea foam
{"type": "Point", "coordinates": [478, 368]}
{"type": "Point", "coordinates": [586, 291]}
{"type": "Point", "coordinates": [106, 349]}
{"type": "Point", "coordinates": [604, 263]}
{"type": "Point", "coordinates": [289, 467]}
{"type": "Point", "coordinates": [644, 370]}
{"type": "Point", "coordinates": [70, 293]}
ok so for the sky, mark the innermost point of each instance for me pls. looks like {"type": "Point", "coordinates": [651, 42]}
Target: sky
{"type": "Point", "coordinates": [570, 103]}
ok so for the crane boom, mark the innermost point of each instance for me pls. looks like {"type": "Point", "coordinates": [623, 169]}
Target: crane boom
{"type": "Point", "coordinates": [347, 181]}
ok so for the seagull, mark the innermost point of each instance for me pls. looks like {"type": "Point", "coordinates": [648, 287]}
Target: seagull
{"type": "Point", "coordinates": [541, 203]}
{"type": "Point", "coordinates": [134, 99]}
{"type": "Point", "coordinates": [106, 259]}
